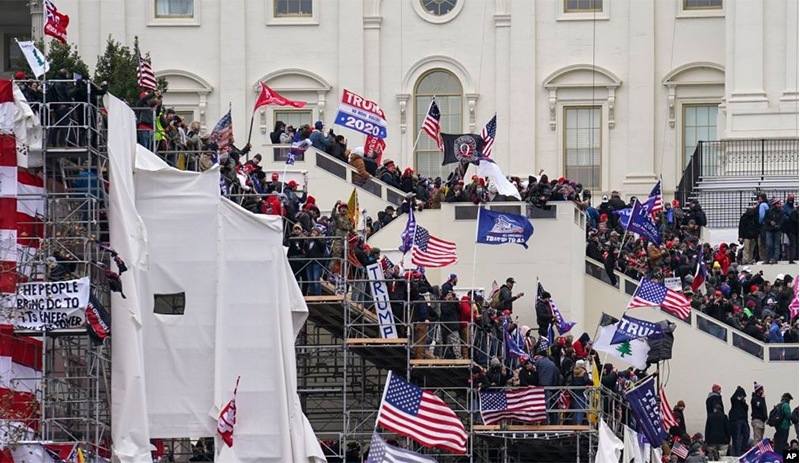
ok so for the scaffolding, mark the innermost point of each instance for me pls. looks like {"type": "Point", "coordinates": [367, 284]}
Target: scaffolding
{"type": "Point", "coordinates": [73, 396]}
{"type": "Point", "coordinates": [343, 363]}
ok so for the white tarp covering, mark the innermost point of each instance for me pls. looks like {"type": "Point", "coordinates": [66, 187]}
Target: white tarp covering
{"type": "Point", "coordinates": [243, 310]}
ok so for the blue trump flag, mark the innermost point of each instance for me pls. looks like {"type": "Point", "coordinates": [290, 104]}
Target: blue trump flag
{"type": "Point", "coordinates": [642, 224]}
{"type": "Point", "coordinates": [502, 228]}
{"type": "Point", "coordinates": [643, 400]}
{"type": "Point", "coordinates": [630, 328]}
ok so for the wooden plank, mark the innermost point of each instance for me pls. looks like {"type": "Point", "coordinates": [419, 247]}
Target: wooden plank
{"type": "Point", "coordinates": [324, 298]}
{"type": "Point", "coordinates": [440, 363]}
{"type": "Point", "coordinates": [378, 341]}
{"type": "Point", "coordinates": [532, 427]}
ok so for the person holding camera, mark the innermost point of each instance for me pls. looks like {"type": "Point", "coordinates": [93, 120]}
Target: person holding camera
{"type": "Point", "coordinates": [319, 140]}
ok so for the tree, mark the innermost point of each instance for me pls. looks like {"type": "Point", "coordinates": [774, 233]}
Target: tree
{"type": "Point", "coordinates": [117, 66]}
{"type": "Point", "coordinates": [624, 349]}
{"type": "Point", "coordinates": [61, 56]}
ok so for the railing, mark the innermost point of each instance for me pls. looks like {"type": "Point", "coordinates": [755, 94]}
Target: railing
{"type": "Point", "coordinates": [739, 158]}
{"type": "Point", "coordinates": [724, 208]}
{"type": "Point", "coordinates": [766, 352]}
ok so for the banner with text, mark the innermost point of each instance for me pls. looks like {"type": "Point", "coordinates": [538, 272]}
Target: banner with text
{"type": "Point", "coordinates": [51, 305]}
{"type": "Point", "coordinates": [383, 308]}
{"type": "Point", "coordinates": [361, 115]}
{"type": "Point", "coordinates": [644, 405]}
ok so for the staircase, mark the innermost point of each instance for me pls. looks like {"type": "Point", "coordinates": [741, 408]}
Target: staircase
{"type": "Point", "coordinates": [705, 352]}
{"type": "Point", "coordinates": [726, 176]}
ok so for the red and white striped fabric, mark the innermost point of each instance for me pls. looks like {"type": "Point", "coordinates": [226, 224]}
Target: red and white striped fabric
{"type": "Point", "coordinates": [21, 212]}
{"type": "Point", "coordinates": [668, 418]}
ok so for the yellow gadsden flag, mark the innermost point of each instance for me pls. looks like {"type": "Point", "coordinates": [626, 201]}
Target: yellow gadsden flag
{"type": "Point", "coordinates": [594, 398]}
{"type": "Point", "coordinates": [353, 209]}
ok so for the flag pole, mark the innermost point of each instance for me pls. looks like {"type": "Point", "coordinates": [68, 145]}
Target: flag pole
{"type": "Point", "coordinates": [250, 133]}
{"type": "Point", "coordinates": [475, 253]}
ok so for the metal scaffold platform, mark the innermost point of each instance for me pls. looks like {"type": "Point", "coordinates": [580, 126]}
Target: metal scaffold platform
{"type": "Point", "coordinates": [70, 402]}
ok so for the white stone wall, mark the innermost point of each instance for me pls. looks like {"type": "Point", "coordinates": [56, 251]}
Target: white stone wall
{"type": "Point", "coordinates": [523, 59]}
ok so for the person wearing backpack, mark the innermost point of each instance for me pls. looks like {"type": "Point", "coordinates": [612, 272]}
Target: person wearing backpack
{"type": "Point", "coordinates": [758, 412]}
{"type": "Point", "coordinates": [782, 423]}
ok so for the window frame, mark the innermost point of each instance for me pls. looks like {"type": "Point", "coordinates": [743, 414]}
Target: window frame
{"type": "Point", "coordinates": [686, 7]}
{"type": "Point", "coordinates": [699, 12]}
{"type": "Point", "coordinates": [9, 44]}
{"type": "Point", "coordinates": [437, 19]}
{"type": "Point", "coordinates": [418, 118]}
{"type": "Point", "coordinates": [274, 19]}
{"type": "Point", "coordinates": [175, 301]}
{"type": "Point", "coordinates": [684, 158]}
{"type": "Point", "coordinates": [583, 10]}
{"type": "Point", "coordinates": [173, 20]}
{"type": "Point", "coordinates": [565, 14]}
{"type": "Point", "coordinates": [600, 128]}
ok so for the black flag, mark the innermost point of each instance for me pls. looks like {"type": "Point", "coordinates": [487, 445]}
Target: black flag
{"type": "Point", "coordinates": [98, 321]}
{"type": "Point", "coordinates": [466, 147]}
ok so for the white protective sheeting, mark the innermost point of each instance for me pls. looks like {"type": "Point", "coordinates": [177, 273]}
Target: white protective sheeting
{"type": "Point", "coordinates": [243, 312]}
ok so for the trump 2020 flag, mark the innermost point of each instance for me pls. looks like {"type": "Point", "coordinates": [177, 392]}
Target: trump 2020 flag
{"type": "Point", "coordinates": [642, 224]}
{"type": "Point", "coordinates": [227, 418]}
{"type": "Point", "coordinates": [643, 401]}
{"type": "Point", "coordinates": [631, 352]}
{"type": "Point", "coordinates": [629, 328]}
{"type": "Point", "coordinates": [409, 411]}
{"type": "Point", "coordinates": [502, 228]}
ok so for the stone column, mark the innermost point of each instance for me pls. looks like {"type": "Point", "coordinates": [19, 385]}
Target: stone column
{"type": "Point", "coordinates": [234, 87]}
{"type": "Point", "coordinates": [502, 73]}
{"type": "Point", "coordinates": [789, 97]}
{"type": "Point", "coordinates": [639, 165]}
{"type": "Point", "coordinates": [745, 34]}
{"type": "Point", "coordinates": [372, 51]}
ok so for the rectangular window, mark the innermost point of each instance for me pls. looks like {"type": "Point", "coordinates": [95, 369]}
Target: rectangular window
{"type": "Point", "coordinates": [702, 4]}
{"type": "Point", "coordinates": [12, 54]}
{"type": "Point", "coordinates": [295, 8]}
{"type": "Point", "coordinates": [582, 145]}
{"type": "Point", "coordinates": [174, 8]}
{"type": "Point", "coordinates": [429, 158]}
{"type": "Point", "coordinates": [293, 118]}
{"type": "Point", "coordinates": [699, 124]}
{"type": "Point", "coordinates": [169, 304]}
{"type": "Point", "coordinates": [582, 6]}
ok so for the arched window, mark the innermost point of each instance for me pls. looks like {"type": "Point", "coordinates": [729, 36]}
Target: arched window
{"type": "Point", "coordinates": [445, 86]}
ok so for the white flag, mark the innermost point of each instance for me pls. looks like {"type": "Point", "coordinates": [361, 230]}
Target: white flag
{"type": "Point", "coordinates": [609, 446]}
{"type": "Point", "coordinates": [631, 352]}
{"type": "Point", "coordinates": [488, 168]}
{"type": "Point", "coordinates": [36, 59]}
{"type": "Point", "coordinates": [634, 451]}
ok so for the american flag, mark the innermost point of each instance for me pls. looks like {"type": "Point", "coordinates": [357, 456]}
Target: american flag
{"type": "Point", "coordinates": [650, 294]}
{"type": "Point", "coordinates": [223, 133]}
{"type": "Point", "coordinates": [144, 71]}
{"type": "Point", "coordinates": [680, 450]}
{"type": "Point", "coordinates": [564, 400]}
{"type": "Point", "coordinates": [764, 446]}
{"type": "Point", "coordinates": [758, 453]}
{"type": "Point", "coordinates": [668, 418]}
{"type": "Point", "coordinates": [526, 404]}
{"type": "Point", "coordinates": [794, 306]}
{"type": "Point", "coordinates": [431, 124]}
{"type": "Point", "coordinates": [430, 251]}
{"type": "Point", "coordinates": [420, 415]}
{"type": "Point", "coordinates": [488, 133]}
{"type": "Point", "coordinates": [380, 451]}
{"type": "Point", "coordinates": [656, 200]}
{"type": "Point", "coordinates": [227, 418]}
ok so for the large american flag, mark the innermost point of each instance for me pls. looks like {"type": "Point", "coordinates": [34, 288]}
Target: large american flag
{"type": "Point", "coordinates": [526, 404]}
{"type": "Point", "coordinates": [650, 294]}
{"type": "Point", "coordinates": [431, 124]}
{"type": "Point", "coordinates": [380, 452]}
{"type": "Point", "coordinates": [668, 418]}
{"type": "Point", "coordinates": [430, 251]}
{"type": "Point", "coordinates": [223, 133]}
{"type": "Point", "coordinates": [144, 71]}
{"type": "Point", "coordinates": [488, 133]}
{"type": "Point", "coordinates": [420, 415]}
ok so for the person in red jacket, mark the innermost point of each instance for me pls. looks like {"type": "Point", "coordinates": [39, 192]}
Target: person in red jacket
{"type": "Point", "coordinates": [582, 346]}
{"type": "Point", "coordinates": [723, 258]}
{"type": "Point", "coordinates": [468, 314]}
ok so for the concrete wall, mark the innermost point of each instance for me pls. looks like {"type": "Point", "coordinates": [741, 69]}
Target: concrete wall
{"type": "Point", "coordinates": [698, 359]}
{"type": "Point", "coordinates": [554, 256]}
{"type": "Point", "coordinates": [523, 60]}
